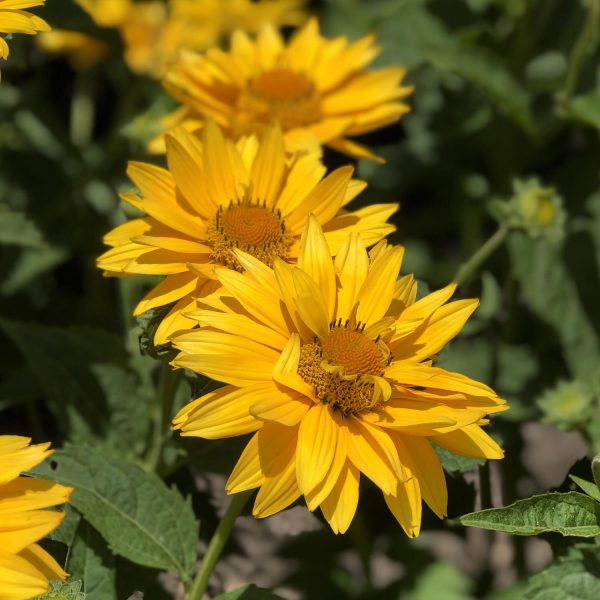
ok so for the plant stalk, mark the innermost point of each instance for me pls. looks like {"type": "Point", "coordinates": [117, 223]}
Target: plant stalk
{"type": "Point", "coordinates": [469, 268]}
{"type": "Point", "coordinates": [216, 545]}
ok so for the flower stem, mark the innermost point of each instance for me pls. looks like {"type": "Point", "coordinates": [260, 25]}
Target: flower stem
{"type": "Point", "coordinates": [216, 545]}
{"type": "Point", "coordinates": [169, 381]}
{"type": "Point", "coordinates": [469, 268]}
{"type": "Point", "coordinates": [585, 44]}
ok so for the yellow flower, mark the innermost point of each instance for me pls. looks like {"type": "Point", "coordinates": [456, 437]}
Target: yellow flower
{"type": "Point", "coordinates": [83, 51]}
{"type": "Point", "coordinates": [317, 88]}
{"type": "Point", "coordinates": [25, 567]}
{"type": "Point", "coordinates": [13, 19]}
{"type": "Point", "coordinates": [154, 32]}
{"type": "Point", "coordinates": [330, 363]}
{"type": "Point", "coordinates": [218, 196]}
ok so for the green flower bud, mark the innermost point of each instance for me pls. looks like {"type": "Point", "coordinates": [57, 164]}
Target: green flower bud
{"type": "Point", "coordinates": [568, 405]}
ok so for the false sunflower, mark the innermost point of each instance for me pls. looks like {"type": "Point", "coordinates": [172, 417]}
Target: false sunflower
{"type": "Point", "coordinates": [25, 567]}
{"type": "Point", "coordinates": [154, 31]}
{"type": "Point", "coordinates": [13, 19]}
{"type": "Point", "coordinates": [317, 88]}
{"type": "Point", "coordinates": [330, 362]}
{"type": "Point", "coordinates": [219, 196]}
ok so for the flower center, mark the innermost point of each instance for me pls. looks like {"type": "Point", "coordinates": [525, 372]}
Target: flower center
{"type": "Point", "coordinates": [283, 95]}
{"type": "Point", "coordinates": [281, 85]}
{"type": "Point", "coordinates": [250, 227]}
{"type": "Point", "coordinates": [338, 368]}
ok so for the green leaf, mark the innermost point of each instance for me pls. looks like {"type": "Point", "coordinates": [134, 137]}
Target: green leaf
{"type": "Point", "coordinates": [249, 592]}
{"type": "Point", "coordinates": [440, 580]}
{"type": "Point", "coordinates": [589, 487]}
{"type": "Point", "coordinates": [30, 264]}
{"type": "Point", "coordinates": [551, 293]}
{"type": "Point", "coordinates": [576, 577]}
{"type": "Point", "coordinates": [134, 511]}
{"type": "Point", "coordinates": [64, 591]}
{"type": "Point", "coordinates": [455, 464]}
{"type": "Point", "coordinates": [67, 531]}
{"type": "Point", "coordinates": [585, 108]}
{"type": "Point", "coordinates": [91, 561]}
{"type": "Point", "coordinates": [16, 229]}
{"type": "Point", "coordinates": [63, 362]}
{"type": "Point", "coordinates": [570, 514]}
{"type": "Point", "coordinates": [596, 470]}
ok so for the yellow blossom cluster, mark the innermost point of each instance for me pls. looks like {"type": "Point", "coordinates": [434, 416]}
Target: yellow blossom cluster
{"type": "Point", "coordinates": [268, 285]}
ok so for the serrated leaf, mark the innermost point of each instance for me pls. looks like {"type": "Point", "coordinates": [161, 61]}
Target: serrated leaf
{"type": "Point", "coordinates": [576, 577]}
{"type": "Point", "coordinates": [455, 464]}
{"type": "Point", "coordinates": [249, 592]}
{"type": "Point", "coordinates": [134, 511]}
{"type": "Point", "coordinates": [551, 293]}
{"type": "Point", "coordinates": [92, 562]}
{"type": "Point", "coordinates": [67, 531]}
{"type": "Point", "coordinates": [589, 487]}
{"type": "Point", "coordinates": [16, 229]}
{"type": "Point", "coordinates": [570, 514]}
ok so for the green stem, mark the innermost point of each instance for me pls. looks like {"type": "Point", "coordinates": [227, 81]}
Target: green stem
{"type": "Point", "coordinates": [469, 268]}
{"type": "Point", "coordinates": [584, 45]}
{"type": "Point", "coordinates": [216, 545]}
{"type": "Point", "coordinates": [162, 415]}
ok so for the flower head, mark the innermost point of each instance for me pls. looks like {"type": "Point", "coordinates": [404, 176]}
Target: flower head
{"type": "Point", "coordinates": [25, 567]}
{"type": "Point", "coordinates": [330, 363]}
{"type": "Point", "coordinates": [13, 19]}
{"type": "Point", "coordinates": [218, 197]}
{"type": "Point", "coordinates": [154, 31]}
{"type": "Point", "coordinates": [317, 88]}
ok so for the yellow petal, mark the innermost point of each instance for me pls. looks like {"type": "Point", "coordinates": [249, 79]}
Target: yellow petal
{"type": "Point", "coordinates": [405, 504]}
{"type": "Point", "coordinates": [175, 321]}
{"type": "Point", "coordinates": [280, 406]}
{"type": "Point", "coordinates": [424, 307]}
{"type": "Point", "coordinates": [242, 325]}
{"type": "Point", "coordinates": [285, 371]}
{"type": "Point", "coordinates": [224, 171]}
{"type": "Point", "coordinates": [374, 454]}
{"type": "Point", "coordinates": [304, 174]}
{"type": "Point", "coordinates": [352, 266]}
{"type": "Point", "coordinates": [159, 198]}
{"type": "Point", "coordinates": [224, 357]}
{"type": "Point", "coordinates": [277, 454]}
{"type": "Point", "coordinates": [321, 491]}
{"type": "Point", "coordinates": [339, 507]}
{"type": "Point", "coordinates": [470, 441]}
{"type": "Point", "coordinates": [43, 562]}
{"type": "Point", "coordinates": [310, 304]}
{"type": "Point", "coordinates": [317, 439]}
{"type": "Point", "coordinates": [222, 413]}
{"type": "Point", "coordinates": [422, 462]}
{"type": "Point", "coordinates": [315, 260]}
{"type": "Point", "coordinates": [171, 289]}
{"type": "Point", "coordinates": [27, 494]}
{"type": "Point", "coordinates": [324, 200]}
{"type": "Point", "coordinates": [19, 578]}
{"type": "Point", "coordinates": [18, 530]}
{"type": "Point", "coordinates": [254, 298]}
{"type": "Point", "coordinates": [269, 167]}
{"type": "Point", "coordinates": [287, 290]}
{"type": "Point", "coordinates": [443, 325]}
{"type": "Point", "coordinates": [247, 473]}
{"type": "Point", "coordinates": [377, 290]}
{"type": "Point", "coordinates": [16, 456]}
